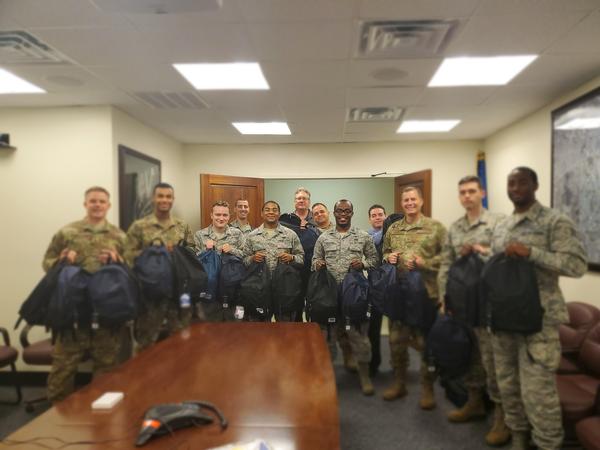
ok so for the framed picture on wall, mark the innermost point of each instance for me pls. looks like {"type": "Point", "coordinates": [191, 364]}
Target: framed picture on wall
{"type": "Point", "coordinates": [138, 174]}
{"type": "Point", "coordinates": [576, 168]}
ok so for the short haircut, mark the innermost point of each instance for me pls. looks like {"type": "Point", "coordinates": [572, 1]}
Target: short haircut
{"type": "Point", "coordinates": [162, 185]}
{"type": "Point", "coordinates": [220, 203]}
{"type": "Point", "coordinates": [241, 200]}
{"type": "Point", "coordinates": [96, 189]}
{"type": "Point", "coordinates": [343, 200]}
{"type": "Point", "coordinates": [375, 206]}
{"type": "Point", "coordinates": [470, 179]}
{"type": "Point", "coordinates": [270, 201]}
{"type": "Point", "coordinates": [412, 188]}
{"type": "Point", "coordinates": [302, 189]}
{"type": "Point", "coordinates": [319, 204]}
{"type": "Point", "coordinates": [529, 171]}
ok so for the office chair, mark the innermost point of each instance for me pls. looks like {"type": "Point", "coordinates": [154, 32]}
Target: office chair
{"type": "Point", "coordinates": [8, 356]}
{"type": "Point", "coordinates": [36, 354]}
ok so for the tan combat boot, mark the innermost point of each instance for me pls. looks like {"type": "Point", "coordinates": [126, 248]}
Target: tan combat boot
{"type": "Point", "coordinates": [365, 380]}
{"type": "Point", "coordinates": [349, 361]}
{"type": "Point", "coordinates": [520, 440]}
{"type": "Point", "coordinates": [499, 433]}
{"type": "Point", "coordinates": [427, 399]}
{"type": "Point", "coordinates": [473, 409]}
{"type": "Point", "coordinates": [398, 387]}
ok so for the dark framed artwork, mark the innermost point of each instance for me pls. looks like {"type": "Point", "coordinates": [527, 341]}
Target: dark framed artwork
{"type": "Point", "coordinates": [576, 168]}
{"type": "Point", "coordinates": [138, 174]}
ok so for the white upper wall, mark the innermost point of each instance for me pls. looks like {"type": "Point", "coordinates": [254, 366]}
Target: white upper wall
{"type": "Point", "coordinates": [448, 160]}
{"type": "Point", "coordinates": [528, 143]}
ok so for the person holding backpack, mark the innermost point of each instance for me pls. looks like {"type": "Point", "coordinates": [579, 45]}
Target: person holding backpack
{"type": "Point", "coordinates": [158, 229]}
{"type": "Point", "coordinates": [222, 238]}
{"type": "Point", "coordinates": [472, 234]}
{"type": "Point", "coordinates": [89, 243]}
{"type": "Point", "coordinates": [273, 244]}
{"type": "Point", "coordinates": [413, 243]}
{"type": "Point", "coordinates": [526, 363]}
{"type": "Point", "coordinates": [338, 251]}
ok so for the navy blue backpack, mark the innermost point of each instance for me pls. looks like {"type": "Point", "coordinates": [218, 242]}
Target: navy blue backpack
{"type": "Point", "coordinates": [188, 272]}
{"type": "Point", "coordinates": [68, 306]}
{"type": "Point", "coordinates": [211, 262]}
{"type": "Point", "coordinates": [232, 273]}
{"type": "Point", "coordinates": [154, 271]}
{"type": "Point", "coordinates": [355, 298]}
{"type": "Point", "coordinates": [113, 293]}
{"type": "Point", "coordinates": [449, 347]}
{"type": "Point", "coordinates": [463, 297]}
{"type": "Point", "coordinates": [381, 282]}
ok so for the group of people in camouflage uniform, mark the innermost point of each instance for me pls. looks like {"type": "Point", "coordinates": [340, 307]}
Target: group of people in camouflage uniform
{"type": "Point", "coordinates": [517, 371]}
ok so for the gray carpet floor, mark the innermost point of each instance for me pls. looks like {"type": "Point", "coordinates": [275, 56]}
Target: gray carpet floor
{"type": "Point", "coordinates": [366, 423]}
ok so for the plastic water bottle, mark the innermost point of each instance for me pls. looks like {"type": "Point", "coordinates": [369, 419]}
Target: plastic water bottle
{"type": "Point", "coordinates": [185, 300]}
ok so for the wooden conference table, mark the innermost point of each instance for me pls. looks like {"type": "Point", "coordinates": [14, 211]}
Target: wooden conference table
{"type": "Point", "coordinates": [271, 380]}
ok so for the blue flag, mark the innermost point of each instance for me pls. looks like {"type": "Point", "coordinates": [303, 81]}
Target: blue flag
{"type": "Point", "coordinates": [482, 176]}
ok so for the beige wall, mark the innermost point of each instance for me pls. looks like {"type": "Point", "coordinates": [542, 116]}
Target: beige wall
{"type": "Point", "coordinates": [528, 142]}
{"type": "Point", "coordinates": [448, 160]}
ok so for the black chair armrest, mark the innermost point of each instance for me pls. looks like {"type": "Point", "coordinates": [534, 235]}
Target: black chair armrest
{"type": "Point", "coordinates": [24, 336]}
{"type": "Point", "coordinates": [5, 336]}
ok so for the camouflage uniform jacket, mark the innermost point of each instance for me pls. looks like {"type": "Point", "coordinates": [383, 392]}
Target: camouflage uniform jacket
{"type": "Point", "coordinates": [87, 240]}
{"type": "Point", "coordinates": [339, 249]}
{"type": "Point", "coordinates": [283, 240]}
{"type": "Point", "coordinates": [245, 229]}
{"type": "Point", "coordinates": [423, 238]}
{"type": "Point", "coordinates": [232, 236]}
{"type": "Point", "coordinates": [555, 250]}
{"type": "Point", "coordinates": [462, 232]}
{"type": "Point", "coordinates": [145, 231]}
{"type": "Point", "coordinates": [327, 228]}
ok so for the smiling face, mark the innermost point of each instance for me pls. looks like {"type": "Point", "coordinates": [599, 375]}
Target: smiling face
{"type": "Point", "coordinates": [301, 201]}
{"type": "Point", "coordinates": [411, 203]}
{"type": "Point", "coordinates": [521, 188]}
{"type": "Point", "coordinates": [376, 218]}
{"type": "Point", "coordinates": [270, 213]}
{"type": "Point", "coordinates": [163, 200]}
{"type": "Point", "coordinates": [219, 217]}
{"type": "Point", "coordinates": [96, 204]}
{"type": "Point", "coordinates": [242, 208]}
{"type": "Point", "coordinates": [320, 215]}
{"type": "Point", "coordinates": [470, 195]}
{"type": "Point", "coordinates": [343, 213]}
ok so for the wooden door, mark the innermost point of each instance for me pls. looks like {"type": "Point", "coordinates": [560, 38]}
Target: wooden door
{"type": "Point", "coordinates": [230, 189]}
{"type": "Point", "coordinates": [422, 180]}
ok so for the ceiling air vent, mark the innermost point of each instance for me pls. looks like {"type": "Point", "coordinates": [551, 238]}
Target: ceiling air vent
{"type": "Point", "coordinates": [20, 47]}
{"type": "Point", "coordinates": [402, 39]}
{"type": "Point", "coordinates": [375, 114]}
{"type": "Point", "coordinates": [171, 100]}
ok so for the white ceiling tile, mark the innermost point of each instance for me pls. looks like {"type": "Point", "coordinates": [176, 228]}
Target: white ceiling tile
{"type": "Point", "coordinates": [312, 99]}
{"type": "Point", "coordinates": [500, 7]}
{"type": "Point", "coordinates": [376, 129]}
{"type": "Point", "coordinates": [229, 12]}
{"type": "Point", "coordinates": [302, 40]}
{"type": "Point", "coordinates": [143, 77]}
{"type": "Point", "coordinates": [294, 10]}
{"type": "Point", "coordinates": [511, 34]}
{"type": "Point", "coordinates": [564, 70]}
{"type": "Point", "coordinates": [411, 72]}
{"type": "Point", "coordinates": [382, 96]}
{"type": "Point", "coordinates": [305, 73]}
{"type": "Point", "coordinates": [416, 9]}
{"type": "Point", "coordinates": [64, 13]}
{"type": "Point", "coordinates": [584, 38]}
{"type": "Point", "coordinates": [449, 96]}
{"type": "Point", "coordinates": [534, 96]}
{"type": "Point", "coordinates": [61, 78]}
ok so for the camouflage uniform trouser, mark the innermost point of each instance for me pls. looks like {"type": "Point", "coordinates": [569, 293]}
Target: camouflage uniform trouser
{"type": "Point", "coordinates": [358, 340]}
{"type": "Point", "coordinates": [214, 312]}
{"type": "Point", "coordinates": [401, 337]}
{"type": "Point", "coordinates": [71, 347]}
{"type": "Point", "coordinates": [149, 323]}
{"type": "Point", "coordinates": [482, 371]}
{"type": "Point", "coordinates": [525, 370]}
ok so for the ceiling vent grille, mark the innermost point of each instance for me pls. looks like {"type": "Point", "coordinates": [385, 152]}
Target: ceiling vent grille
{"type": "Point", "coordinates": [375, 114]}
{"type": "Point", "coordinates": [402, 39]}
{"type": "Point", "coordinates": [171, 100]}
{"type": "Point", "coordinates": [20, 47]}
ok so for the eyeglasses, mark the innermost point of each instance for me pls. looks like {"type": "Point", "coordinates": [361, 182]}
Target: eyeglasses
{"type": "Point", "coordinates": [343, 212]}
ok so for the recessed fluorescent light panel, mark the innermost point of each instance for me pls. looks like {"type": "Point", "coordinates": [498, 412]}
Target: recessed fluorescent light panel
{"type": "Point", "coordinates": [223, 76]}
{"type": "Point", "coordinates": [427, 126]}
{"type": "Point", "coordinates": [488, 71]}
{"type": "Point", "coordinates": [12, 84]}
{"type": "Point", "coordinates": [262, 128]}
